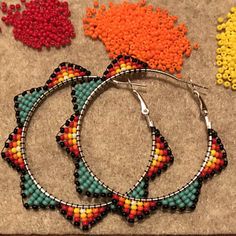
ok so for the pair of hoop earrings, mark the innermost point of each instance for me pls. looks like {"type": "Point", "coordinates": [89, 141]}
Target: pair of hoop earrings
{"type": "Point", "coordinates": [133, 205]}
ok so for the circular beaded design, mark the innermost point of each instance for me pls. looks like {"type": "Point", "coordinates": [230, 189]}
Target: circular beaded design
{"type": "Point", "coordinates": [133, 204]}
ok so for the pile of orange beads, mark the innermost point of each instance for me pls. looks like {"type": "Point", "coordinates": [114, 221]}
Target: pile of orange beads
{"type": "Point", "coordinates": [226, 51]}
{"type": "Point", "coordinates": [140, 30]}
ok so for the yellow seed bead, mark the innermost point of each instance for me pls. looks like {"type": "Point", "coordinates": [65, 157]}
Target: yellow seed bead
{"type": "Point", "coordinates": [88, 211]}
{"type": "Point", "coordinates": [214, 160]}
{"type": "Point", "coordinates": [220, 19]}
{"type": "Point", "coordinates": [65, 74]}
{"type": "Point", "coordinates": [74, 130]}
{"type": "Point", "coordinates": [221, 70]}
{"type": "Point", "coordinates": [127, 201]}
{"type": "Point", "coordinates": [60, 80]}
{"type": "Point", "coordinates": [208, 164]}
{"type": "Point", "coordinates": [122, 65]}
{"type": "Point", "coordinates": [128, 67]}
{"type": "Point", "coordinates": [219, 27]}
{"type": "Point", "coordinates": [159, 158]}
{"type": "Point", "coordinates": [71, 75]}
{"type": "Point", "coordinates": [219, 76]}
{"type": "Point", "coordinates": [140, 204]}
{"type": "Point", "coordinates": [76, 210]}
{"type": "Point", "coordinates": [118, 70]}
{"type": "Point", "coordinates": [219, 63]}
{"type": "Point", "coordinates": [213, 152]}
{"type": "Point", "coordinates": [227, 84]}
{"type": "Point", "coordinates": [69, 135]}
{"type": "Point", "coordinates": [13, 150]}
{"type": "Point", "coordinates": [18, 154]}
{"type": "Point", "coordinates": [220, 81]}
{"type": "Point", "coordinates": [234, 87]}
{"type": "Point", "coordinates": [133, 207]}
{"type": "Point", "coordinates": [233, 81]}
{"type": "Point", "coordinates": [218, 57]}
{"type": "Point", "coordinates": [74, 141]}
{"type": "Point", "coordinates": [154, 162]}
{"type": "Point", "coordinates": [225, 76]}
{"type": "Point", "coordinates": [83, 215]}
{"type": "Point", "coordinates": [157, 151]}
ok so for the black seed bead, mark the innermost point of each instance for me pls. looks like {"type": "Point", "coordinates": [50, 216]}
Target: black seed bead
{"type": "Point", "coordinates": [38, 89]}
{"type": "Point", "coordinates": [193, 207]}
{"type": "Point", "coordinates": [165, 166]}
{"type": "Point", "coordinates": [70, 65]}
{"type": "Point", "coordinates": [52, 207]}
{"type": "Point", "coordinates": [214, 134]}
{"type": "Point", "coordinates": [58, 138]}
{"type": "Point", "coordinates": [206, 176]}
{"type": "Point", "coordinates": [67, 123]}
{"type": "Point", "coordinates": [26, 205]}
{"type": "Point", "coordinates": [45, 87]}
{"type": "Point", "coordinates": [16, 98]}
{"type": "Point", "coordinates": [98, 218]}
{"type": "Point", "coordinates": [162, 139]}
{"type": "Point", "coordinates": [57, 70]}
{"type": "Point", "coordinates": [72, 118]}
{"type": "Point", "coordinates": [159, 203]}
{"type": "Point", "coordinates": [67, 150]}
{"type": "Point", "coordinates": [106, 72]}
{"type": "Point", "coordinates": [224, 154]}
{"type": "Point", "coordinates": [32, 90]}
{"type": "Point", "coordinates": [124, 214]}
{"type": "Point", "coordinates": [173, 208]}
{"type": "Point", "coordinates": [119, 56]}
{"type": "Point", "coordinates": [18, 169]}
{"type": "Point", "coordinates": [158, 172]}
{"type": "Point", "coordinates": [127, 57]}
{"type": "Point", "coordinates": [153, 176]}
{"type": "Point", "coordinates": [114, 201]}
{"type": "Point", "coordinates": [134, 59]}
{"type": "Point", "coordinates": [85, 227]}
{"type": "Point", "coordinates": [153, 208]}
{"type": "Point", "coordinates": [103, 195]}
{"type": "Point", "coordinates": [110, 66]}
{"type": "Point", "coordinates": [20, 125]}
{"type": "Point", "coordinates": [145, 193]}
{"type": "Point", "coordinates": [62, 144]}
{"type": "Point", "coordinates": [221, 146]}
{"type": "Point", "coordinates": [165, 206]}
{"type": "Point", "coordinates": [63, 212]}
{"type": "Point", "coordinates": [131, 221]}
{"type": "Point", "coordinates": [63, 64]}
{"type": "Point", "coordinates": [157, 132]}
{"type": "Point", "coordinates": [109, 194]}
{"type": "Point", "coordinates": [74, 99]}
{"type": "Point", "coordinates": [3, 154]}
{"type": "Point", "coordinates": [23, 171]}
{"type": "Point", "coordinates": [58, 205]}
{"type": "Point", "coordinates": [182, 209]}
{"type": "Point", "coordinates": [77, 183]}
{"type": "Point", "coordinates": [73, 92]}
{"type": "Point", "coordinates": [12, 165]}
{"type": "Point", "coordinates": [93, 222]}
{"type": "Point", "coordinates": [146, 178]}
{"type": "Point", "coordinates": [62, 130]}
{"type": "Point", "coordinates": [103, 78]}
{"type": "Point", "coordinates": [218, 140]}
{"type": "Point", "coordinates": [146, 213]}
{"type": "Point", "coordinates": [171, 159]}
{"type": "Point", "coordinates": [140, 217]}
{"type": "Point", "coordinates": [88, 73]}
{"type": "Point", "coordinates": [35, 207]}
{"type": "Point", "coordinates": [17, 113]}
{"type": "Point", "coordinates": [8, 161]}
{"type": "Point", "coordinates": [88, 194]}
{"type": "Point", "coordinates": [145, 185]}
{"type": "Point", "coordinates": [18, 120]}
{"type": "Point", "coordinates": [48, 81]}
{"type": "Point", "coordinates": [166, 144]}
{"type": "Point", "coordinates": [10, 137]}
{"type": "Point", "coordinates": [77, 67]}
{"type": "Point", "coordinates": [76, 174]}
{"type": "Point", "coordinates": [76, 223]}
{"type": "Point", "coordinates": [119, 208]}
{"type": "Point", "coordinates": [23, 195]}
{"type": "Point", "coordinates": [43, 206]}
{"type": "Point", "coordinates": [24, 93]}
{"type": "Point", "coordinates": [77, 165]}
{"type": "Point", "coordinates": [195, 200]}
{"type": "Point", "coordinates": [96, 195]}
{"type": "Point", "coordinates": [16, 105]}
{"type": "Point", "coordinates": [225, 163]}
{"type": "Point", "coordinates": [79, 190]}
{"type": "Point", "coordinates": [69, 217]}
{"type": "Point", "coordinates": [75, 107]}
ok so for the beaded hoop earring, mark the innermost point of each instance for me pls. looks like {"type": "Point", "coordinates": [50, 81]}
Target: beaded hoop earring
{"type": "Point", "coordinates": [130, 207]}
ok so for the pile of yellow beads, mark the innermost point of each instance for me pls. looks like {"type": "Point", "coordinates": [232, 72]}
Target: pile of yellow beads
{"type": "Point", "coordinates": [226, 51]}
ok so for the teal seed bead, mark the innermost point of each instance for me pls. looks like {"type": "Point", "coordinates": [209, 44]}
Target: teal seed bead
{"type": "Point", "coordinates": [178, 201]}
{"type": "Point", "coordinates": [44, 203]}
{"type": "Point", "coordinates": [191, 187]}
{"type": "Point", "coordinates": [186, 191]}
{"type": "Point", "coordinates": [176, 197]}
{"type": "Point", "coordinates": [170, 199]}
{"type": "Point", "coordinates": [40, 199]}
{"type": "Point", "coordinates": [171, 203]}
{"type": "Point", "coordinates": [82, 187]}
{"type": "Point", "coordinates": [165, 202]}
{"type": "Point", "coordinates": [190, 204]}
{"type": "Point", "coordinates": [181, 194]}
{"type": "Point", "coordinates": [26, 177]}
{"type": "Point", "coordinates": [37, 191]}
{"type": "Point", "coordinates": [26, 192]}
{"type": "Point", "coordinates": [195, 184]}
{"type": "Point", "coordinates": [85, 185]}
{"type": "Point", "coordinates": [193, 197]}
{"type": "Point", "coordinates": [134, 193]}
{"type": "Point", "coordinates": [181, 205]}
{"type": "Point", "coordinates": [187, 200]}
{"type": "Point", "coordinates": [36, 203]}
{"type": "Point", "coordinates": [30, 202]}
{"type": "Point", "coordinates": [194, 191]}
{"type": "Point", "coordinates": [97, 190]}
{"type": "Point", "coordinates": [184, 197]}
{"type": "Point", "coordinates": [52, 203]}
{"type": "Point", "coordinates": [91, 190]}
{"type": "Point", "coordinates": [31, 190]}
{"type": "Point", "coordinates": [42, 195]}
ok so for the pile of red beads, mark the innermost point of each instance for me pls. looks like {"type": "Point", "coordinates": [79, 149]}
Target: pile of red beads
{"type": "Point", "coordinates": [148, 33]}
{"type": "Point", "coordinates": [41, 23]}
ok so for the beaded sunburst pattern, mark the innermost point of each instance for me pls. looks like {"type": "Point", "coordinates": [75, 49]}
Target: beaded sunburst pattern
{"type": "Point", "coordinates": [134, 204]}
